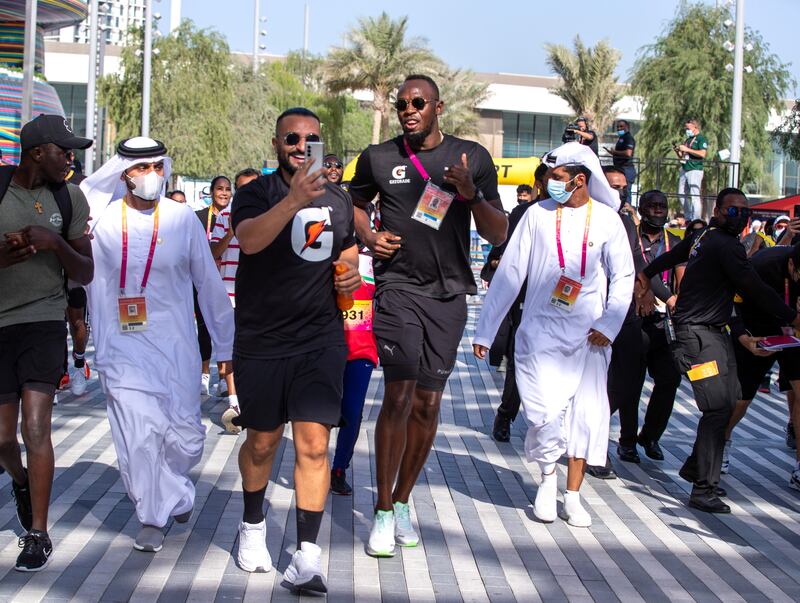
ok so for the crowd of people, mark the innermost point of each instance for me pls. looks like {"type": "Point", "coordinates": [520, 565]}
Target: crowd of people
{"type": "Point", "coordinates": [299, 285]}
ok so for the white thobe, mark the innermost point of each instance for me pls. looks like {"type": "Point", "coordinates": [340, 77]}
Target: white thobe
{"type": "Point", "coordinates": [560, 376]}
{"type": "Point", "coordinates": [151, 378]}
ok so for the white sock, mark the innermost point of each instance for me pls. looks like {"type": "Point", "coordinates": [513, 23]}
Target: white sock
{"type": "Point", "coordinates": [547, 468]}
{"type": "Point", "coordinates": [572, 495]}
{"type": "Point", "coordinates": [233, 400]}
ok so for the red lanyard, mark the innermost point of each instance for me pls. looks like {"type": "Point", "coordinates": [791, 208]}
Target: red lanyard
{"type": "Point", "coordinates": [665, 274]}
{"type": "Point", "coordinates": [124, 269]}
{"type": "Point", "coordinates": [415, 160]}
{"type": "Point", "coordinates": [585, 239]}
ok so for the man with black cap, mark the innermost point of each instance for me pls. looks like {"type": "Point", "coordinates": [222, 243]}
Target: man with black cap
{"type": "Point", "coordinates": [43, 223]}
{"type": "Point", "coordinates": [149, 251]}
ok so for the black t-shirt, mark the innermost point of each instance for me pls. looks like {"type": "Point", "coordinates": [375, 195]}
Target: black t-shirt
{"type": "Point", "coordinates": [591, 144]}
{"type": "Point", "coordinates": [203, 215]}
{"type": "Point", "coordinates": [285, 300]}
{"type": "Point", "coordinates": [716, 269]}
{"type": "Point", "coordinates": [625, 142]}
{"type": "Point", "coordinates": [432, 263]}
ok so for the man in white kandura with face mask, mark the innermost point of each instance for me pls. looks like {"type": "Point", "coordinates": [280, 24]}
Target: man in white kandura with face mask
{"type": "Point", "coordinates": [148, 252]}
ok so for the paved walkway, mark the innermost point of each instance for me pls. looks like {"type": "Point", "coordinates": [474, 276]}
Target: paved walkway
{"type": "Point", "coordinates": [472, 505]}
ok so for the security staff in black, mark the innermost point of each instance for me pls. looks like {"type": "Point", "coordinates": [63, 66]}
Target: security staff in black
{"type": "Point", "coordinates": [657, 357]}
{"type": "Point", "coordinates": [431, 186]}
{"type": "Point", "coordinates": [716, 268]}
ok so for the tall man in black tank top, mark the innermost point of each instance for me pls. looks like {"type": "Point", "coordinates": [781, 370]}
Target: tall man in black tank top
{"type": "Point", "coordinates": [431, 185]}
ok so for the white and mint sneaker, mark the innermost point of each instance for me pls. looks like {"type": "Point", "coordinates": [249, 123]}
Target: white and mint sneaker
{"type": "Point", "coordinates": [404, 533]}
{"type": "Point", "coordinates": [381, 537]}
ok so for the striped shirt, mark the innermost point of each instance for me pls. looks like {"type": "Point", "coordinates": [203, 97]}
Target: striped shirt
{"type": "Point", "coordinates": [229, 261]}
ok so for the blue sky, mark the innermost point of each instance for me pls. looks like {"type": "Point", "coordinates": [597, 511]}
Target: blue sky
{"type": "Point", "coordinates": [493, 35]}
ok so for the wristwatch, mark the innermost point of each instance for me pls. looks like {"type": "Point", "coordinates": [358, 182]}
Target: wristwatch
{"type": "Point", "coordinates": [476, 199]}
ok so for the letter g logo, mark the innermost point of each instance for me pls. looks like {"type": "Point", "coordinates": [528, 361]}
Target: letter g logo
{"type": "Point", "coordinates": [399, 172]}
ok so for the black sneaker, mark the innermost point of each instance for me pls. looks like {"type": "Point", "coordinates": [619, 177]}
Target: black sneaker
{"type": "Point", "coordinates": [501, 431]}
{"type": "Point", "coordinates": [22, 496]}
{"type": "Point", "coordinates": [37, 550]}
{"type": "Point", "coordinates": [339, 484]}
{"type": "Point", "coordinates": [791, 440]}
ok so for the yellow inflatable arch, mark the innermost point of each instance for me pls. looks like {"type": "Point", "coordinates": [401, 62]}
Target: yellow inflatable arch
{"type": "Point", "coordinates": [513, 171]}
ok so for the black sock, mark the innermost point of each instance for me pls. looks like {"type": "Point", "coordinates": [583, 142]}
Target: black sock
{"type": "Point", "coordinates": [308, 526]}
{"type": "Point", "coordinates": [79, 360]}
{"type": "Point", "coordinates": [253, 506]}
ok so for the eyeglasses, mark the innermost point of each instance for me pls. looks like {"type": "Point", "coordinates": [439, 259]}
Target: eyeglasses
{"type": "Point", "coordinates": [332, 164]}
{"type": "Point", "coordinates": [417, 102]}
{"type": "Point", "coordinates": [733, 212]}
{"type": "Point", "coordinates": [292, 138]}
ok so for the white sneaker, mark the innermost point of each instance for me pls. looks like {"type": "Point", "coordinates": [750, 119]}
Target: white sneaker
{"type": "Point", "coordinates": [77, 380]}
{"type": "Point", "coordinates": [228, 416]}
{"type": "Point", "coordinates": [205, 382]}
{"type": "Point", "coordinates": [726, 456]}
{"type": "Point", "coordinates": [574, 513]}
{"type": "Point", "coordinates": [305, 570]}
{"type": "Point", "coordinates": [381, 537]}
{"type": "Point", "coordinates": [545, 506]}
{"type": "Point", "coordinates": [253, 555]}
{"type": "Point", "coordinates": [404, 533]}
{"type": "Point", "coordinates": [794, 480]}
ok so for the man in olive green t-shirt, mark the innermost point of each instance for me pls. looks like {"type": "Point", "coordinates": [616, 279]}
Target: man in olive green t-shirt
{"type": "Point", "coordinates": [34, 259]}
{"type": "Point", "coordinates": [691, 153]}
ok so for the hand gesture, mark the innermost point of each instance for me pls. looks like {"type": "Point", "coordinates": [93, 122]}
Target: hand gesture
{"type": "Point", "coordinates": [792, 229]}
{"type": "Point", "coordinates": [384, 244]}
{"type": "Point", "coordinates": [347, 281]}
{"type": "Point", "coordinates": [12, 252]}
{"type": "Point", "coordinates": [682, 148]}
{"type": "Point", "coordinates": [598, 339]}
{"type": "Point", "coordinates": [480, 351]}
{"type": "Point", "coordinates": [460, 177]}
{"type": "Point", "coordinates": [306, 186]}
{"type": "Point", "coordinates": [41, 239]}
{"type": "Point", "coordinates": [751, 345]}
{"type": "Point", "coordinates": [643, 296]}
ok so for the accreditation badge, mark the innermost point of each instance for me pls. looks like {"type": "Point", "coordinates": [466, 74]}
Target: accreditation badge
{"type": "Point", "coordinates": [359, 317]}
{"type": "Point", "coordinates": [132, 314]}
{"type": "Point", "coordinates": [565, 294]}
{"type": "Point", "coordinates": [432, 205]}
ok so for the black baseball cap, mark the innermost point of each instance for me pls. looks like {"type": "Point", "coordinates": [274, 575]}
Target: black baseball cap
{"type": "Point", "coordinates": [51, 128]}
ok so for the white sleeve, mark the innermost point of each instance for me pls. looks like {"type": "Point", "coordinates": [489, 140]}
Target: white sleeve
{"type": "Point", "coordinates": [507, 281]}
{"type": "Point", "coordinates": [211, 294]}
{"type": "Point", "coordinates": [618, 262]}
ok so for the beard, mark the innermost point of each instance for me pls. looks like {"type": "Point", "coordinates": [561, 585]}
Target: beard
{"type": "Point", "coordinates": [415, 139]}
{"type": "Point", "coordinates": [285, 164]}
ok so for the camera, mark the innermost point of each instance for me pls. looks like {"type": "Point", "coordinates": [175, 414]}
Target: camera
{"type": "Point", "coordinates": [569, 135]}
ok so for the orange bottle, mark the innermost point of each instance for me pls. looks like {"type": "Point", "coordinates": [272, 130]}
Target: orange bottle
{"type": "Point", "coordinates": [343, 300]}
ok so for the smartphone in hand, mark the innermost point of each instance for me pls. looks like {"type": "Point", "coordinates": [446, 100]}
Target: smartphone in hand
{"type": "Point", "coordinates": [314, 154]}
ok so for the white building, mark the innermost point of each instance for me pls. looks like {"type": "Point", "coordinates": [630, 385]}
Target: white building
{"type": "Point", "coordinates": [115, 18]}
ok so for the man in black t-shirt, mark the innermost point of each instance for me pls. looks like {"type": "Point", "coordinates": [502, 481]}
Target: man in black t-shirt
{"type": "Point", "coordinates": [431, 185]}
{"type": "Point", "coordinates": [294, 229]}
{"type": "Point", "coordinates": [586, 136]}
{"type": "Point", "coordinates": [622, 152]}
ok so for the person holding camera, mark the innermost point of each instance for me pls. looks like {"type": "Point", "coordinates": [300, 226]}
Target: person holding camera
{"type": "Point", "coordinates": [691, 153]}
{"type": "Point", "coordinates": [582, 134]}
{"type": "Point", "coordinates": [622, 153]}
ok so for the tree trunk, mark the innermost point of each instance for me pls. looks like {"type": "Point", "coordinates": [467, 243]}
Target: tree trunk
{"type": "Point", "coordinates": [377, 120]}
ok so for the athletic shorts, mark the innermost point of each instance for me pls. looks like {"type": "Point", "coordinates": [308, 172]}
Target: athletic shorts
{"type": "Point", "coordinates": [31, 357]}
{"type": "Point", "coordinates": [752, 369]}
{"type": "Point", "coordinates": [76, 298]}
{"type": "Point", "coordinates": [418, 336]}
{"type": "Point", "coordinates": [306, 387]}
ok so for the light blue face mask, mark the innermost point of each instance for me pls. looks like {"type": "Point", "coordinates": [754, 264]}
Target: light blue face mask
{"type": "Point", "coordinates": [620, 132]}
{"type": "Point", "coordinates": [689, 133]}
{"type": "Point", "coordinates": [558, 191]}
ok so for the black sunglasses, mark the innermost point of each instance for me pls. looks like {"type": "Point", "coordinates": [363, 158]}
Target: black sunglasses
{"type": "Point", "coordinates": [417, 102]}
{"type": "Point", "coordinates": [292, 138]}
{"type": "Point", "coordinates": [733, 212]}
{"type": "Point", "coordinates": [332, 164]}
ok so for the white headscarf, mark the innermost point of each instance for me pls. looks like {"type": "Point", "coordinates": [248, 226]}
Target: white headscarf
{"type": "Point", "coordinates": [577, 153]}
{"type": "Point", "coordinates": [105, 185]}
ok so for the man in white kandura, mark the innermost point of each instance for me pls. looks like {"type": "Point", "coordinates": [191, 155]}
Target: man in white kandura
{"type": "Point", "coordinates": [574, 252]}
{"type": "Point", "coordinates": [148, 252]}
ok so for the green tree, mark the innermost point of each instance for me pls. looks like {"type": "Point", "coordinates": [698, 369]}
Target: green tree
{"type": "Point", "coordinates": [786, 134]}
{"type": "Point", "coordinates": [191, 98]}
{"type": "Point", "coordinates": [682, 75]}
{"type": "Point", "coordinates": [588, 82]}
{"type": "Point", "coordinates": [378, 59]}
{"type": "Point", "coordinates": [462, 93]}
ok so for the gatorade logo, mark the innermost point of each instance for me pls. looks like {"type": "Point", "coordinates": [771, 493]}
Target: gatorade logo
{"type": "Point", "coordinates": [312, 234]}
{"type": "Point", "coordinates": [399, 175]}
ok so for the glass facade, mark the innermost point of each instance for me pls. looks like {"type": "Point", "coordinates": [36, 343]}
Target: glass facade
{"type": "Point", "coordinates": [531, 134]}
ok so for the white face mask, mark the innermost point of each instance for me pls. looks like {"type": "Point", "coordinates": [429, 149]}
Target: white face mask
{"type": "Point", "coordinates": [148, 187]}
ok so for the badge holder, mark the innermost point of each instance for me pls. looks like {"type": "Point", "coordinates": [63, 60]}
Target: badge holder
{"type": "Point", "coordinates": [132, 314]}
{"type": "Point", "coordinates": [133, 310]}
{"type": "Point", "coordinates": [566, 291]}
{"type": "Point", "coordinates": [432, 205]}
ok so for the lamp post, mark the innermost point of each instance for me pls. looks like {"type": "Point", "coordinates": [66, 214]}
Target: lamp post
{"type": "Point", "coordinates": [91, 87]}
{"type": "Point", "coordinates": [28, 61]}
{"type": "Point", "coordinates": [736, 107]}
{"type": "Point", "coordinates": [147, 65]}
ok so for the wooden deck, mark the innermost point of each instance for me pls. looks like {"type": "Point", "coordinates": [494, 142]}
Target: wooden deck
{"type": "Point", "coordinates": [473, 506]}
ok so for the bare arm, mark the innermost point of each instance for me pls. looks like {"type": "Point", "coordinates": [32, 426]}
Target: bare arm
{"type": "Point", "coordinates": [75, 256]}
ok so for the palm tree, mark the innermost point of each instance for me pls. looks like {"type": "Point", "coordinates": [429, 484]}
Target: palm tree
{"type": "Point", "coordinates": [588, 82]}
{"type": "Point", "coordinates": [462, 93]}
{"type": "Point", "coordinates": [378, 59]}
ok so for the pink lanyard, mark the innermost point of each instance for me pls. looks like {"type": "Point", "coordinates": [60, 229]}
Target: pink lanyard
{"type": "Point", "coordinates": [415, 160]}
{"type": "Point", "coordinates": [124, 268]}
{"type": "Point", "coordinates": [561, 261]}
{"type": "Point", "coordinates": [665, 275]}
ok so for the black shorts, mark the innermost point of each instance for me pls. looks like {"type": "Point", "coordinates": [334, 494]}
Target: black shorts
{"type": "Point", "coordinates": [418, 336]}
{"type": "Point", "coordinates": [31, 357]}
{"type": "Point", "coordinates": [306, 387]}
{"type": "Point", "coordinates": [752, 369]}
{"type": "Point", "coordinates": [76, 298]}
